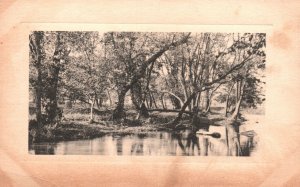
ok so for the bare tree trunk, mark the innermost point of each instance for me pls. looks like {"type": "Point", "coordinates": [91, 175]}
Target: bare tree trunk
{"type": "Point", "coordinates": [162, 101]}
{"type": "Point", "coordinates": [227, 100]}
{"type": "Point", "coordinates": [239, 99]}
{"type": "Point", "coordinates": [147, 92]}
{"type": "Point", "coordinates": [207, 101]}
{"type": "Point", "coordinates": [237, 91]}
{"type": "Point", "coordinates": [38, 99]}
{"type": "Point", "coordinates": [183, 84]}
{"type": "Point", "coordinates": [150, 100]}
{"type": "Point", "coordinates": [185, 93]}
{"type": "Point", "coordinates": [233, 138]}
{"type": "Point", "coordinates": [206, 70]}
{"type": "Point", "coordinates": [147, 102]}
{"type": "Point", "coordinates": [198, 100]}
{"type": "Point", "coordinates": [109, 97]}
{"type": "Point", "coordinates": [153, 99]}
{"type": "Point", "coordinates": [227, 104]}
{"type": "Point", "coordinates": [92, 110]}
{"type": "Point", "coordinates": [97, 103]}
{"type": "Point", "coordinates": [194, 102]}
{"type": "Point", "coordinates": [208, 107]}
{"type": "Point", "coordinates": [119, 112]}
{"type": "Point", "coordinates": [236, 111]}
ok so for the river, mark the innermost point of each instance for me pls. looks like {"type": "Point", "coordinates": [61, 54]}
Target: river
{"type": "Point", "coordinates": [156, 144]}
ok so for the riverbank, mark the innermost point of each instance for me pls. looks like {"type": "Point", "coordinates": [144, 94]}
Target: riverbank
{"type": "Point", "coordinates": [75, 125]}
{"type": "Point", "coordinates": [78, 130]}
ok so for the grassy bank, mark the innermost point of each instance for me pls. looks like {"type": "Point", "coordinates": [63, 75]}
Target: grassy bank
{"type": "Point", "coordinates": [76, 125]}
{"type": "Point", "coordinates": [75, 130]}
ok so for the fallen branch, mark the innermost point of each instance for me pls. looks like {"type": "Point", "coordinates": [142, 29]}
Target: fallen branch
{"type": "Point", "coordinates": [169, 110]}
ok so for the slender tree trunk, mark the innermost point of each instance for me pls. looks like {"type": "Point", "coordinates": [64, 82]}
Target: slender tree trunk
{"type": "Point", "coordinates": [92, 110]}
{"type": "Point", "coordinates": [227, 105]}
{"type": "Point", "coordinates": [150, 100]}
{"type": "Point", "coordinates": [227, 100]}
{"type": "Point", "coordinates": [101, 102]}
{"type": "Point", "coordinates": [109, 97]}
{"type": "Point", "coordinates": [194, 102]}
{"type": "Point", "coordinates": [237, 91]}
{"type": "Point", "coordinates": [147, 92]}
{"type": "Point", "coordinates": [97, 102]}
{"type": "Point", "coordinates": [38, 99]}
{"type": "Point", "coordinates": [207, 100]}
{"type": "Point", "coordinates": [237, 108]}
{"type": "Point", "coordinates": [227, 140]}
{"type": "Point", "coordinates": [198, 100]}
{"type": "Point", "coordinates": [162, 101]}
{"type": "Point", "coordinates": [153, 99]}
{"type": "Point", "coordinates": [147, 102]}
{"type": "Point", "coordinates": [239, 99]}
{"type": "Point", "coordinates": [208, 106]}
{"type": "Point", "coordinates": [183, 84]}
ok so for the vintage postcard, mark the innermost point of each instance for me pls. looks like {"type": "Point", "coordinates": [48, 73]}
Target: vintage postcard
{"type": "Point", "coordinates": [149, 103]}
{"type": "Point", "coordinates": [146, 93]}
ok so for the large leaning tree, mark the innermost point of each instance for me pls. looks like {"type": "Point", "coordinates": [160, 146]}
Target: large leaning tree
{"type": "Point", "coordinates": [131, 54]}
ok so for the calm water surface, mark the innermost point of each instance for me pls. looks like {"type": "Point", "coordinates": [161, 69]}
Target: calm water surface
{"type": "Point", "coordinates": [158, 144]}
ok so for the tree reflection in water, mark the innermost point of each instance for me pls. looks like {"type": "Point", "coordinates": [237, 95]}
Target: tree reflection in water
{"type": "Point", "coordinates": [43, 149]}
{"type": "Point", "coordinates": [137, 148]}
{"type": "Point", "coordinates": [185, 143]}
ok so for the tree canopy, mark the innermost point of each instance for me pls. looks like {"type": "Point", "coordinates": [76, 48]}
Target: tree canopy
{"type": "Point", "coordinates": [158, 71]}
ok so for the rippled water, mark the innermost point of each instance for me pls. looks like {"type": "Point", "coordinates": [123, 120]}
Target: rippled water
{"type": "Point", "coordinates": [158, 144]}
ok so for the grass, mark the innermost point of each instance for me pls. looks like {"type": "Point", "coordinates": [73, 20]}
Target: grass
{"type": "Point", "coordinates": [76, 125]}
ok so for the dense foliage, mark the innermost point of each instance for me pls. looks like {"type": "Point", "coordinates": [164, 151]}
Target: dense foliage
{"type": "Point", "coordinates": [163, 71]}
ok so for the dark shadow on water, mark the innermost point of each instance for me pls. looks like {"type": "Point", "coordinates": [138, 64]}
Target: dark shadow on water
{"type": "Point", "coordinates": [248, 147]}
{"type": "Point", "coordinates": [43, 149]}
{"type": "Point", "coordinates": [182, 143]}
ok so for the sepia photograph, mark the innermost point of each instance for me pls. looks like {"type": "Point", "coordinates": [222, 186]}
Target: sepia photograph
{"type": "Point", "coordinates": [146, 93]}
{"type": "Point", "coordinates": [149, 93]}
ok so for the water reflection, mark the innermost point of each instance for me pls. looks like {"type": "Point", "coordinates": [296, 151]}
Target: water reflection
{"type": "Point", "coordinates": [185, 143]}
